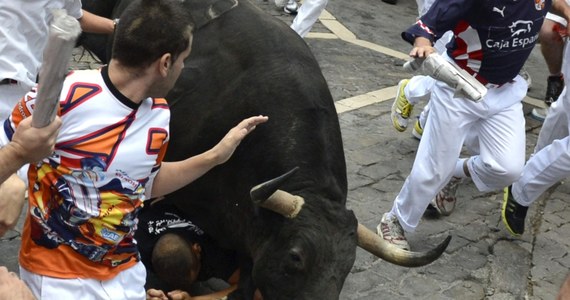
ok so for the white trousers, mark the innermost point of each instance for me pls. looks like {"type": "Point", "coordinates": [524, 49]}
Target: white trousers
{"type": "Point", "coordinates": [10, 94]}
{"type": "Point", "coordinates": [550, 162]}
{"type": "Point", "coordinates": [419, 89]}
{"type": "Point", "coordinates": [497, 122]}
{"type": "Point", "coordinates": [127, 285]}
{"type": "Point", "coordinates": [307, 16]}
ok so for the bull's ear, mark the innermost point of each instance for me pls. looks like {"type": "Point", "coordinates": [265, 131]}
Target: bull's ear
{"type": "Point", "coordinates": [263, 191]}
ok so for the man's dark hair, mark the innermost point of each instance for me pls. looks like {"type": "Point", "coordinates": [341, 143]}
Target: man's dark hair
{"type": "Point", "coordinates": [173, 260]}
{"type": "Point", "coordinates": [149, 29]}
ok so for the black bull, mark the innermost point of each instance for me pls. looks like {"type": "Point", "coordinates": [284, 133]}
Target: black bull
{"type": "Point", "coordinates": [243, 63]}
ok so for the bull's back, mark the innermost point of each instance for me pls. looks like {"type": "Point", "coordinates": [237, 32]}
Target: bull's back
{"type": "Point", "coordinates": [236, 70]}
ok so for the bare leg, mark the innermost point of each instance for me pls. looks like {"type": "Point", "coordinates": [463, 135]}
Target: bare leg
{"type": "Point", "coordinates": [551, 46]}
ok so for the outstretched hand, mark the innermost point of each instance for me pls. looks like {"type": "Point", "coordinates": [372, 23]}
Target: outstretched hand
{"type": "Point", "coordinates": [226, 147]}
{"type": "Point", "coordinates": [174, 175]}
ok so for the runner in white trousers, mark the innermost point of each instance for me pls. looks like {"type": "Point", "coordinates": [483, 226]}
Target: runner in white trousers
{"type": "Point", "coordinates": [419, 87]}
{"type": "Point", "coordinates": [307, 16]}
{"type": "Point", "coordinates": [550, 162]}
{"type": "Point", "coordinates": [486, 44]}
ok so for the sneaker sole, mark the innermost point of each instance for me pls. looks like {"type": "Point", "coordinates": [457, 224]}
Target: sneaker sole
{"type": "Point", "coordinates": [393, 115]}
{"type": "Point", "coordinates": [503, 213]}
{"type": "Point", "coordinates": [416, 134]}
{"type": "Point", "coordinates": [291, 12]}
{"type": "Point", "coordinates": [535, 115]}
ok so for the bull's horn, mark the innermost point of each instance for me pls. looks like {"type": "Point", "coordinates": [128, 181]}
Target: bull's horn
{"type": "Point", "coordinates": [284, 204]}
{"type": "Point", "coordinates": [262, 191]}
{"type": "Point", "coordinates": [376, 245]}
{"type": "Point", "coordinates": [268, 195]}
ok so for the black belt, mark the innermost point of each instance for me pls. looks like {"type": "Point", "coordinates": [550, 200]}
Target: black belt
{"type": "Point", "coordinates": [8, 81]}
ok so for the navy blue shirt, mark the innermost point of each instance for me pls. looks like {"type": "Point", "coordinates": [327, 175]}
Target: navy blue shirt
{"type": "Point", "coordinates": [492, 38]}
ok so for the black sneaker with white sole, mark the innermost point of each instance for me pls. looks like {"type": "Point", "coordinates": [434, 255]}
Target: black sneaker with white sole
{"type": "Point", "coordinates": [513, 214]}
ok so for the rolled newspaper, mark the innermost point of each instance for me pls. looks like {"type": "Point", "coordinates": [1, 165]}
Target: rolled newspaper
{"type": "Point", "coordinates": [437, 67]}
{"type": "Point", "coordinates": [63, 32]}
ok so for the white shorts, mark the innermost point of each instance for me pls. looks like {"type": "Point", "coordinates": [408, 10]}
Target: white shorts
{"type": "Point", "coordinates": [11, 94]}
{"type": "Point", "coordinates": [127, 285]}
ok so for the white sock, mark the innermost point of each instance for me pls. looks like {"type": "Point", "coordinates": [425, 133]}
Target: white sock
{"type": "Point", "coordinates": [459, 172]}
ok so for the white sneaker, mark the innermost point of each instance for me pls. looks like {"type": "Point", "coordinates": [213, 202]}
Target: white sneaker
{"type": "Point", "coordinates": [444, 202]}
{"type": "Point", "coordinates": [392, 232]}
{"type": "Point", "coordinates": [292, 7]}
{"type": "Point", "coordinates": [539, 114]}
{"type": "Point", "coordinates": [401, 108]}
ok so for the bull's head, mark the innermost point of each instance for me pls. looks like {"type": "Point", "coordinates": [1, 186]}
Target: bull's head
{"type": "Point", "coordinates": [301, 259]}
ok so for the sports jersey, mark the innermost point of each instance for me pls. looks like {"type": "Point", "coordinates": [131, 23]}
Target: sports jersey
{"type": "Point", "coordinates": [492, 38]}
{"type": "Point", "coordinates": [162, 218]}
{"type": "Point", "coordinates": [84, 198]}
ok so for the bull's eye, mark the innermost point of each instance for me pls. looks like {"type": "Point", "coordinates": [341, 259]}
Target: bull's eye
{"type": "Point", "coordinates": [295, 257]}
{"type": "Point", "coordinates": [296, 260]}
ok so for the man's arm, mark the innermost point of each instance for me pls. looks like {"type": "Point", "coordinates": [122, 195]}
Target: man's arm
{"type": "Point", "coordinates": [11, 287]}
{"type": "Point", "coordinates": [441, 17]}
{"type": "Point", "coordinates": [153, 294]}
{"type": "Point", "coordinates": [174, 175]}
{"type": "Point", "coordinates": [96, 24]}
{"type": "Point", "coordinates": [28, 145]}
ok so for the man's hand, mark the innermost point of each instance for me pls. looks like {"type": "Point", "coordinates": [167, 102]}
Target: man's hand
{"type": "Point", "coordinates": [422, 48]}
{"type": "Point", "coordinates": [11, 287]}
{"type": "Point", "coordinates": [226, 147]}
{"type": "Point", "coordinates": [179, 295]}
{"type": "Point", "coordinates": [174, 175]}
{"type": "Point", "coordinates": [33, 144]}
{"type": "Point", "coordinates": [153, 294]}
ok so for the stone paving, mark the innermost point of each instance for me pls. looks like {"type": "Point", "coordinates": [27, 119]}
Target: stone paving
{"type": "Point", "coordinates": [358, 47]}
